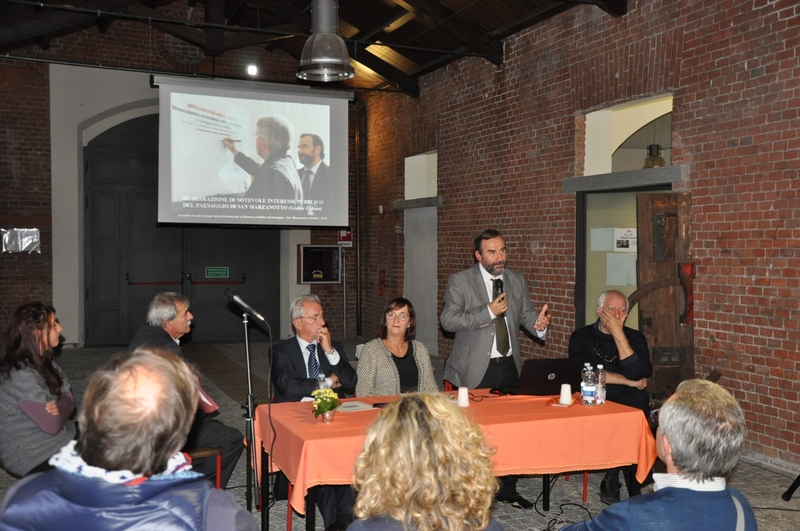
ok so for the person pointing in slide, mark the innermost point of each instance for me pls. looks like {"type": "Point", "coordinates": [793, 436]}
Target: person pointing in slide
{"type": "Point", "coordinates": [276, 177]}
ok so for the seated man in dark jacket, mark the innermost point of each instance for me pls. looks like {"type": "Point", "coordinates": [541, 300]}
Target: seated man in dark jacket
{"type": "Point", "coordinates": [303, 364]}
{"type": "Point", "coordinates": [125, 472]}
{"type": "Point", "coordinates": [169, 319]}
{"type": "Point", "coordinates": [625, 357]}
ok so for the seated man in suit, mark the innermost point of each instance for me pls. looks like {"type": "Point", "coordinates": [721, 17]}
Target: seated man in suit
{"type": "Point", "coordinates": [169, 319]}
{"type": "Point", "coordinates": [307, 362]}
{"type": "Point", "coordinates": [700, 436]}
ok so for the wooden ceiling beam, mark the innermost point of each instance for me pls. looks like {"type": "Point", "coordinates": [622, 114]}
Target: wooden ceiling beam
{"type": "Point", "coordinates": [458, 28]}
{"type": "Point", "coordinates": [406, 83]}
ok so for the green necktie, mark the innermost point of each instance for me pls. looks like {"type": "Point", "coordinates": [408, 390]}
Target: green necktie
{"type": "Point", "coordinates": [500, 328]}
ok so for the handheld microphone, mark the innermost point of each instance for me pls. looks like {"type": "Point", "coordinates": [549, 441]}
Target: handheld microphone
{"type": "Point", "coordinates": [232, 296]}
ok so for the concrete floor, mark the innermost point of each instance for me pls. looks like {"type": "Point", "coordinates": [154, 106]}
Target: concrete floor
{"type": "Point", "coordinates": [223, 378]}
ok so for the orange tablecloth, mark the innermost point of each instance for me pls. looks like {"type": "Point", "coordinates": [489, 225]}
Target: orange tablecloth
{"type": "Point", "coordinates": [531, 437]}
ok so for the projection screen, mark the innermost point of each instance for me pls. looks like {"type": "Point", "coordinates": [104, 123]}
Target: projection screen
{"type": "Point", "coordinates": [246, 153]}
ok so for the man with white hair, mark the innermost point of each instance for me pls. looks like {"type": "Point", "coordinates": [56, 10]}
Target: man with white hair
{"type": "Point", "coordinates": [169, 319]}
{"type": "Point", "coordinates": [625, 358]}
{"type": "Point", "coordinates": [126, 472]}
{"type": "Point", "coordinates": [700, 435]}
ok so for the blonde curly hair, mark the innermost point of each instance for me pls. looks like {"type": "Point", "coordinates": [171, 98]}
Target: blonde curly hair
{"type": "Point", "coordinates": [424, 464]}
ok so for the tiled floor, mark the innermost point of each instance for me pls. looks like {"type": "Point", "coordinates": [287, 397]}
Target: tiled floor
{"type": "Point", "coordinates": [224, 378]}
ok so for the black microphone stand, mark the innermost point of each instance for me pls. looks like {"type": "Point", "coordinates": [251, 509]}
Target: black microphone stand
{"type": "Point", "coordinates": [252, 487]}
{"type": "Point", "coordinates": [251, 491]}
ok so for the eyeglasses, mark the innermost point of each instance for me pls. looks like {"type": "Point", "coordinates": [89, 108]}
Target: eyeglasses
{"type": "Point", "coordinates": [654, 418]}
{"type": "Point", "coordinates": [603, 356]}
{"type": "Point", "coordinates": [314, 318]}
{"type": "Point", "coordinates": [391, 316]}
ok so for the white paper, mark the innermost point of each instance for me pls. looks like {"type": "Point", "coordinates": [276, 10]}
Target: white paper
{"type": "Point", "coordinates": [348, 407]}
{"type": "Point", "coordinates": [625, 240]}
{"type": "Point", "coordinates": [621, 269]}
{"type": "Point", "coordinates": [601, 239]}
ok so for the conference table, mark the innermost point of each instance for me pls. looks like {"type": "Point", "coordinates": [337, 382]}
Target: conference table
{"type": "Point", "coordinates": [532, 436]}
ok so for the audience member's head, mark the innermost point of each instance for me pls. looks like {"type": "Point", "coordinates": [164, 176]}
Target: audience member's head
{"type": "Point", "coordinates": [424, 464]}
{"type": "Point", "coordinates": [32, 334]}
{"type": "Point", "coordinates": [701, 431]}
{"type": "Point", "coordinates": [170, 311]}
{"type": "Point", "coordinates": [137, 411]}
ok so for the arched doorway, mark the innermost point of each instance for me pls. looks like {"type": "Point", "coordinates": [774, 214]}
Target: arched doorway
{"type": "Point", "coordinates": [129, 257]}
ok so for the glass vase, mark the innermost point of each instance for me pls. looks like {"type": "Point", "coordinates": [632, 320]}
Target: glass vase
{"type": "Point", "coordinates": [327, 417]}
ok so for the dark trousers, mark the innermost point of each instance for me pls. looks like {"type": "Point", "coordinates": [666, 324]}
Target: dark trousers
{"type": "Point", "coordinates": [503, 376]}
{"type": "Point", "coordinates": [208, 432]}
{"type": "Point", "coordinates": [335, 502]}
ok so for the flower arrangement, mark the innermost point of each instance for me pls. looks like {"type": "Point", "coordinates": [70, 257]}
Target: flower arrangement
{"type": "Point", "coordinates": [324, 400]}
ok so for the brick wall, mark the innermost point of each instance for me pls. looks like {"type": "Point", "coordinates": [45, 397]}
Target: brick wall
{"type": "Point", "coordinates": [508, 136]}
{"type": "Point", "coordinates": [25, 182]}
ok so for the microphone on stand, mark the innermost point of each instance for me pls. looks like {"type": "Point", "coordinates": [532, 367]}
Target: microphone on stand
{"type": "Point", "coordinates": [232, 296]}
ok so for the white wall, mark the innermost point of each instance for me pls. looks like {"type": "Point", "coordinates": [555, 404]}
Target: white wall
{"type": "Point", "coordinates": [84, 102]}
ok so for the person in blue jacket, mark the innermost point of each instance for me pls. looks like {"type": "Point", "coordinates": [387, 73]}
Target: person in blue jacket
{"type": "Point", "coordinates": [125, 471]}
{"type": "Point", "coordinates": [700, 435]}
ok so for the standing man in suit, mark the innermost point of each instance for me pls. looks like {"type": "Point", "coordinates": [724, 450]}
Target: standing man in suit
{"type": "Point", "coordinates": [303, 364]}
{"type": "Point", "coordinates": [486, 315]}
{"type": "Point", "coordinates": [314, 173]}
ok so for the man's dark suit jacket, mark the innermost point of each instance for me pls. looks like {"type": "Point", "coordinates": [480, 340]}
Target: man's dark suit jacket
{"type": "Point", "coordinates": [290, 376]}
{"type": "Point", "coordinates": [322, 189]}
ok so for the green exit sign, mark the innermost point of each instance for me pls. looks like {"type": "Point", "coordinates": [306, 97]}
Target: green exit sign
{"type": "Point", "coordinates": [218, 272]}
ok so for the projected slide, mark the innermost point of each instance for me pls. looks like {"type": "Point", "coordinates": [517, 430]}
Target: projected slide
{"type": "Point", "coordinates": [251, 158]}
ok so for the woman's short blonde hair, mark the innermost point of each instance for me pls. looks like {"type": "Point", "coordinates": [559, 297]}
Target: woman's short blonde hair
{"type": "Point", "coordinates": [426, 465]}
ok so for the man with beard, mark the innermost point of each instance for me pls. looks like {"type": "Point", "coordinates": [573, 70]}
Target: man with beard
{"type": "Point", "coordinates": [485, 306]}
{"type": "Point", "coordinates": [314, 173]}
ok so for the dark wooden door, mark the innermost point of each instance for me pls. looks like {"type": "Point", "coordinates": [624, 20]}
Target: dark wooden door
{"type": "Point", "coordinates": [664, 273]}
{"type": "Point", "coordinates": [129, 257]}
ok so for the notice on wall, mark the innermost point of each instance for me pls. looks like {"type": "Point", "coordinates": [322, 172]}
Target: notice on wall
{"type": "Point", "coordinates": [624, 240]}
{"type": "Point", "coordinates": [620, 269]}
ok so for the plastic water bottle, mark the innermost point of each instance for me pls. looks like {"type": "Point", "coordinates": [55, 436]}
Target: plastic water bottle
{"type": "Point", "coordinates": [600, 394]}
{"type": "Point", "coordinates": [586, 367]}
{"type": "Point", "coordinates": [589, 387]}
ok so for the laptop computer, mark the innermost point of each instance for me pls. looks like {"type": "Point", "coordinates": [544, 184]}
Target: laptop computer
{"type": "Point", "coordinates": [544, 377]}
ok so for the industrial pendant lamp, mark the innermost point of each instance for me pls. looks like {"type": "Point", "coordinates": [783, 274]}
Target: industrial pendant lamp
{"type": "Point", "coordinates": [325, 56]}
{"type": "Point", "coordinates": [654, 158]}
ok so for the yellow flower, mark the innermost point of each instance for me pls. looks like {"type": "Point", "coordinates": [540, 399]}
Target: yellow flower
{"type": "Point", "coordinates": [324, 400]}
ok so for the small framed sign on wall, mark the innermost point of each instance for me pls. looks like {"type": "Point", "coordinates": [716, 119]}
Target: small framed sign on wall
{"type": "Point", "coordinates": [319, 264]}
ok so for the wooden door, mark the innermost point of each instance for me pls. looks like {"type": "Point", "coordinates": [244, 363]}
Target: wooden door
{"type": "Point", "coordinates": [664, 295]}
{"type": "Point", "coordinates": [129, 257]}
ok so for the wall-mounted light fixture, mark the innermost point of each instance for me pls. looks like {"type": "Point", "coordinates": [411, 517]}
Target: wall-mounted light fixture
{"type": "Point", "coordinates": [654, 158]}
{"type": "Point", "coordinates": [325, 56]}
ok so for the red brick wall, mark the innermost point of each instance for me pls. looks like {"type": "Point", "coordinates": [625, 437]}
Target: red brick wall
{"type": "Point", "coordinates": [508, 136]}
{"type": "Point", "coordinates": [25, 182]}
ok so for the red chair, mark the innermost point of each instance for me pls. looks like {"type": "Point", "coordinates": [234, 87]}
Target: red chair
{"type": "Point", "coordinates": [448, 386]}
{"type": "Point", "coordinates": [201, 452]}
{"type": "Point", "coordinates": [585, 484]}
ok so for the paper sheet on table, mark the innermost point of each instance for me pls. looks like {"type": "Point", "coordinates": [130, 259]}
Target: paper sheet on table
{"type": "Point", "coordinates": [349, 407]}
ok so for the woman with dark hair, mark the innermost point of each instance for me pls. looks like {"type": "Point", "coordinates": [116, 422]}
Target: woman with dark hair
{"type": "Point", "coordinates": [395, 363]}
{"type": "Point", "coordinates": [35, 396]}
